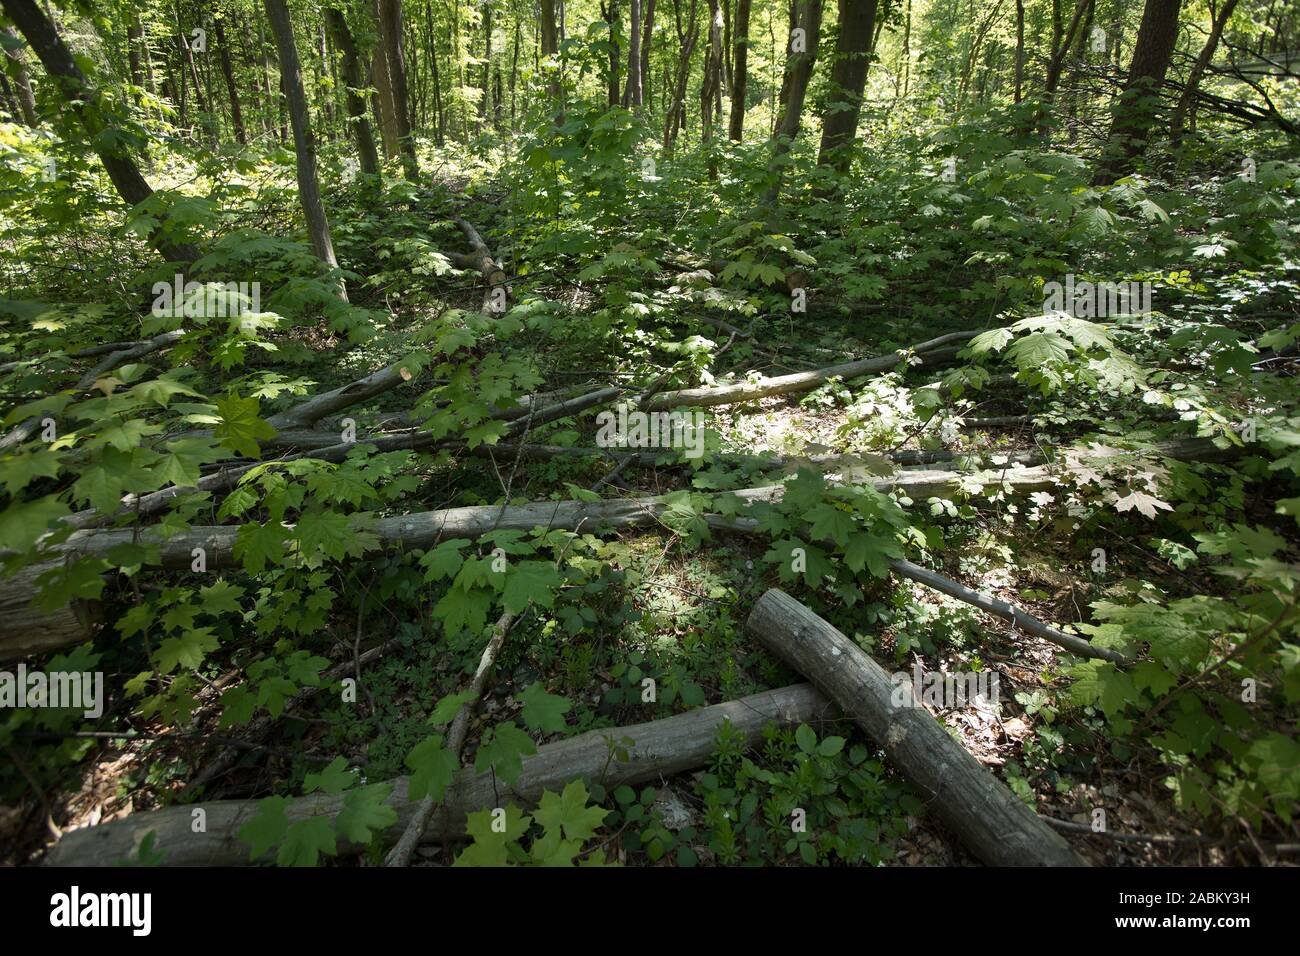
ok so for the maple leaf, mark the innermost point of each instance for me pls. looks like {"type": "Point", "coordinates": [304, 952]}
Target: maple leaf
{"type": "Point", "coordinates": [569, 813]}
{"type": "Point", "coordinates": [432, 768]}
{"type": "Point", "coordinates": [1143, 502]}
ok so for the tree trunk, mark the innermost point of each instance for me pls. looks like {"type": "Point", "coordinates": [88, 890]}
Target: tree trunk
{"type": "Point", "coordinates": [802, 56]}
{"type": "Point", "coordinates": [1020, 48]}
{"type": "Point", "coordinates": [740, 71]}
{"type": "Point", "coordinates": [848, 80]}
{"type": "Point", "coordinates": [390, 31]}
{"type": "Point", "coordinates": [993, 823]}
{"type": "Point", "coordinates": [550, 49]}
{"type": "Point", "coordinates": [22, 82]}
{"type": "Point", "coordinates": [134, 36]}
{"type": "Point", "coordinates": [485, 76]}
{"type": "Point", "coordinates": [654, 750]}
{"type": "Point", "coordinates": [1134, 113]}
{"type": "Point", "coordinates": [687, 38]}
{"type": "Point", "coordinates": [228, 70]}
{"type": "Point", "coordinates": [1061, 43]}
{"type": "Point", "coordinates": [304, 142]}
{"type": "Point", "coordinates": [385, 115]}
{"type": "Point", "coordinates": [610, 15]}
{"type": "Point", "coordinates": [207, 116]}
{"type": "Point", "coordinates": [646, 32]}
{"type": "Point", "coordinates": [632, 93]}
{"type": "Point", "coordinates": [1188, 97]}
{"type": "Point", "coordinates": [712, 76]}
{"type": "Point", "coordinates": [367, 154]}
{"type": "Point", "coordinates": [57, 59]}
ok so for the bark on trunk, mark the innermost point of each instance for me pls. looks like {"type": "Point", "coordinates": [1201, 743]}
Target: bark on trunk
{"type": "Point", "coordinates": [1135, 110]}
{"type": "Point", "coordinates": [57, 59]}
{"type": "Point", "coordinates": [304, 140]}
{"type": "Point", "coordinates": [367, 154]}
{"type": "Point", "coordinates": [987, 817]}
{"type": "Point", "coordinates": [740, 71]}
{"type": "Point", "coordinates": [659, 748]}
{"type": "Point", "coordinates": [848, 80]}
{"type": "Point", "coordinates": [802, 56]}
{"type": "Point", "coordinates": [632, 93]}
{"type": "Point", "coordinates": [390, 31]}
{"type": "Point", "coordinates": [1188, 98]}
{"type": "Point", "coordinates": [550, 50]}
{"type": "Point", "coordinates": [228, 71]}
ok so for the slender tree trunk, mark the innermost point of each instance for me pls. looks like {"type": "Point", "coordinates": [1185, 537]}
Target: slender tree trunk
{"type": "Point", "coordinates": [712, 75]}
{"type": "Point", "coordinates": [1061, 43]}
{"type": "Point", "coordinates": [55, 56]}
{"type": "Point", "coordinates": [22, 82]}
{"type": "Point", "coordinates": [551, 48]}
{"type": "Point", "coordinates": [632, 91]}
{"type": "Point", "coordinates": [134, 35]}
{"type": "Point", "coordinates": [207, 117]}
{"type": "Point", "coordinates": [802, 47]}
{"type": "Point", "coordinates": [304, 142]}
{"type": "Point", "coordinates": [687, 39]}
{"type": "Point", "coordinates": [848, 80]}
{"type": "Point", "coordinates": [1186, 102]}
{"type": "Point", "coordinates": [610, 16]}
{"type": "Point", "coordinates": [1020, 47]}
{"type": "Point", "coordinates": [228, 70]}
{"type": "Point", "coordinates": [439, 129]}
{"type": "Point", "coordinates": [367, 154]}
{"type": "Point", "coordinates": [646, 32]}
{"type": "Point", "coordinates": [514, 77]}
{"type": "Point", "coordinates": [740, 78]}
{"type": "Point", "coordinates": [485, 76]}
{"type": "Point", "coordinates": [1134, 113]}
{"type": "Point", "coordinates": [390, 31]}
{"type": "Point", "coordinates": [385, 113]}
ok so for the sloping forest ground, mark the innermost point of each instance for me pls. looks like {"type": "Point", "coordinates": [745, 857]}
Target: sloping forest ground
{"type": "Point", "coordinates": [1043, 458]}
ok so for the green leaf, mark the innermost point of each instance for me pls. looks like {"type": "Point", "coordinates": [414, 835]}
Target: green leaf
{"type": "Point", "coordinates": [25, 521]}
{"type": "Point", "coordinates": [365, 812]}
{"type": "Point", "coordinates": [305, 841]}
{"type": "Point", "coordinates": [806, 739]}
{"type": "Point", "coordinates": [446, 709]}
{"type": "Point", "coordinates": [543, 712]}
{"type": "Point", "coordinates": [240, 427]}
{"type": "Point", "coordinates": [568, 813]}
{"type": "Point", "coordinates": [501, 749]}
{"type": "Point", "coordinates": [530, 581]}
{"type": "Point", "coordinates": [267, 828]}
{"type": "Point", "coordinates": [334, 779]}
{"type": "Point", "coordinates": [186, 651]}
{"type": "Point", "coordinates": [432, 768]}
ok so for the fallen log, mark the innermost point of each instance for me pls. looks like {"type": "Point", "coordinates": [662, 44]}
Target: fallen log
{"type": "Point", "coordinates": [926, 354]}
{"type": "Point", "coordinates": [987, 817]}
{"type": "Point", "coordinates": [480, 258]}
{"type": "Point", "coordinates": [424, 529]}
{"type": "Point", "coordinates": [24, 430]}
{"type": "Point", "coordinates": [309, 412]}
{"type": "Point", "coordinates": [25, 630]}
{"type": "Point", "coordinates": [658, 749]}
{"type": "Point", "coordinates": [327, 447]}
